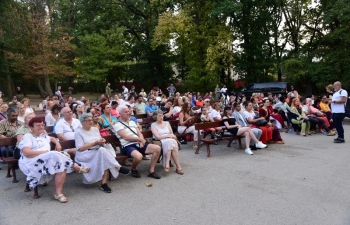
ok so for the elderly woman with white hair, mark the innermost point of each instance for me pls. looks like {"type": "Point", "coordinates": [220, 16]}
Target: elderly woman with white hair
{"type": "Point", "coordinates": [162, 131]}
{"type": "Point", "coordinates": [91, 152]}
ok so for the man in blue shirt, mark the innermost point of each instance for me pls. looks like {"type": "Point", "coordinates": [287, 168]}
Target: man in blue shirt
{"type": "Point", "coordinates": [171, 90]}
{"type": "Point", "coordinates": [150, 108]}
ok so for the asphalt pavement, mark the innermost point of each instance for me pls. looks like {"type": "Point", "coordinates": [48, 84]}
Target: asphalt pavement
{"type": "Point", "coordinates": [305, 181]}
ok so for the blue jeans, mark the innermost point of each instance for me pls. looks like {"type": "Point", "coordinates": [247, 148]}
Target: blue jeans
{"type": "Point", "coordinates": [4, 153]}
{"type": "Point", "coordinates": [337, 121]}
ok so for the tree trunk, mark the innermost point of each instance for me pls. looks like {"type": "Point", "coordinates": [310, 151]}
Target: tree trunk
{"type": "Point", "coordinates": [48, 89]}
{"type": "Point", "coordinates": [41, 90]}
{"type": "Point", "coordinates": [10, 86]}
{"type": "Point", "coordinates": [279, 78]}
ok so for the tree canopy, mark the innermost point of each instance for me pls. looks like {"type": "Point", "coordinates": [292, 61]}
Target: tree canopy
{"type": "Point", "coordinates": [199, 43]}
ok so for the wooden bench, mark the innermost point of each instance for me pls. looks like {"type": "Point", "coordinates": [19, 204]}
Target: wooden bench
{"type": "Point", "coordinates": [146, 122]}
{"type": "Point", "coordinates": [11, 162]}
{"type": "Point", "coordinates": [49, 129]}
{"type": "Point", "coordinates": [140, 116]}
{"type": "Point", "coordinates": [208, 141]}
{"type": "Point", "coordinates": [175, 123]}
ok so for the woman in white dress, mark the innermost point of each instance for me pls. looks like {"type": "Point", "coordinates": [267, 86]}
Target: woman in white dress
{"type": "Point", "coordinates": [91, 152]}
{"type": "Point", "coordinates": [26, 102]}
{"type": "Point", "coordinates": [162, 131]}
{"type": "Point", "coordinates": [40, 164]}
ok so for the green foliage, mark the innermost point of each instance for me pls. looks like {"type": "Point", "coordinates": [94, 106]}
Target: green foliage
{"type": "Point", "coordinates": [100, 53]}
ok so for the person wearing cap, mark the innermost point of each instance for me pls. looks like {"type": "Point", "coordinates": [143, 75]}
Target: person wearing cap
{"type": "Point", "coordinates": [114, 109]}
{"type": "Point", "coordinates": [14, 103]}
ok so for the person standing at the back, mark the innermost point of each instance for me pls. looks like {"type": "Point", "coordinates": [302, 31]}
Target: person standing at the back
{"type": "Point", "coordinates": [125, 92]}
{"type": "Point", "coordinates": [171, 90]}
{"type": "Point", "coordinates": [59, 94]}
{"type": "Point", "coordinates": [217, 92]}
{"type": "Point", "coordinates": [108, 91]}
{"type": "Point", "coordinates": [338, 109]}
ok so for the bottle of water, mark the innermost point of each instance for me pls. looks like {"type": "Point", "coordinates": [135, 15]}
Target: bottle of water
{"type": "Point", "coordinates": [290, 130]}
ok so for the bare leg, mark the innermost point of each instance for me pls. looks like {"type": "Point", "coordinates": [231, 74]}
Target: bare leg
{"type": "Point", "coordinates": [104, 177]}
{"type": "Point", "coordinates": [137, 158]}
{"type": "Point", "coordinates": [59, 181]}
{"type": "Point", "coordinates": [250, 132]}
{"type": "Point", "coordinates": [175, 156]}
{"type": "Point", "coordinates": [167, 158]}
{"type": "Point", "coordinates": [155, 151]}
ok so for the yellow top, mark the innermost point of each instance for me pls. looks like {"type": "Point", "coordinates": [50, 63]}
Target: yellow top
{"type": "Point", "coordinates": [324, 107]}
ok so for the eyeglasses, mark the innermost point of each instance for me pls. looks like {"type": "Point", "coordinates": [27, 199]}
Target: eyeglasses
{"type": "Point", "coordinates": [89, 120]}
{"type": "Point", "coordinates": [324, 98]}
{"type": "Point", "coordinates": [72, 128]}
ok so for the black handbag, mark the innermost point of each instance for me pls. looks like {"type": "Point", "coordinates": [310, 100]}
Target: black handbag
{"type": "Point", "coordinates": [261, 122]}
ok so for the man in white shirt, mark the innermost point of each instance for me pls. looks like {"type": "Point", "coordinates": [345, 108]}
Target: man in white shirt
{"type": "Point", "coordinates": [215, 113]}
{"type": "Point", "coordinates": [125, 92]}
{"type": "Point", "coordinates": [338, 110]}
{"type": "Point", "coordinates": [223, 90]}
{"type": "Point", "coordinates": [133, 143]}
{"type": "Point", "coordinates": [66, 127]}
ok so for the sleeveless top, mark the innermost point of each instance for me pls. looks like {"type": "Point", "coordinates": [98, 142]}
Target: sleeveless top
{"type": "Point", "coordinates": [231, 121]}
{"type": "Point", "coordinates": [162, 130]}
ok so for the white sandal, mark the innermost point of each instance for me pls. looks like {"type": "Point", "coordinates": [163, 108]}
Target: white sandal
{"type": "Point", "coordinates": [61, 198]}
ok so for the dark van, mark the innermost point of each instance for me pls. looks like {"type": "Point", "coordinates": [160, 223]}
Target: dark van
{"type": "Point", "coordinates": [274, 87]}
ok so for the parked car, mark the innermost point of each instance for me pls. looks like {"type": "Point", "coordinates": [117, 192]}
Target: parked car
{"type": "Point", "coordinates": [274, 87]}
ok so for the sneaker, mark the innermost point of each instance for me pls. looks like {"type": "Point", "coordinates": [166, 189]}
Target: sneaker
{"type": "Point", "coordinates": [339, 141]}
{"type": "Point", "coordinates": [248, 151]}
{"type": "Point", "coordinates": [260, 145]}
{"type": "Point", "coordinates": [218, 136]}
{"type": "Point", "coordinates": [135, 173]}
{"type": "Point", "coordinates": [331, 133]}
{"type": "Point", "coordinates": [105, 188]}
{"type": "Point", "coordinates": [124, 170]}
{"type": "Point", "coordinates": [183, 142]}
{"type": "Point", "coordinates": [212, 136]}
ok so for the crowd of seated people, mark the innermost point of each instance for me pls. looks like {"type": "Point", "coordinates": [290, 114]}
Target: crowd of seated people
{"type": "Point", "coordinates": [258, 119]}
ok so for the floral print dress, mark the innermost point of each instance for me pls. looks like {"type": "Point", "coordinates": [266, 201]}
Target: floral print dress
{"type": "Point", "coordinates": [43, 167]}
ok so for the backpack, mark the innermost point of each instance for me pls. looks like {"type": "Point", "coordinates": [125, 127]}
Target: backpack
{"type": "Point", "coordinates": [347, 104]}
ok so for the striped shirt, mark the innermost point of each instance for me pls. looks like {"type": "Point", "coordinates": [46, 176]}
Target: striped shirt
{"type": "Point", "coordinates": [119, 126]}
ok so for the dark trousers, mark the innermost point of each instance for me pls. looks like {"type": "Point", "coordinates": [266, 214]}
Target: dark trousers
{"type": "Point", "coordinates": [314, 121]}
{"type": "Point", "coordinates": [337, 121]}
{"type": "Point", "coordinates": [4, 153]}
{"type": "Point", "coordinates": [285, 118]}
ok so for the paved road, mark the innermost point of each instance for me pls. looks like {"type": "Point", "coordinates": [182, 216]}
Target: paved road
{"type": "Point", "coordinates": [305, 181]}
